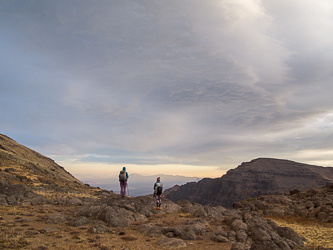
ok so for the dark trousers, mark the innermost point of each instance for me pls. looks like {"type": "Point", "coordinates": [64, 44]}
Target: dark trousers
{"type": "Point", "coordinates": [158, 200]}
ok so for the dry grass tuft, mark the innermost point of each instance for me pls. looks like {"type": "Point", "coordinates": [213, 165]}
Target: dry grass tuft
{"type": "Point", "coordinates": [186, 215]}
{"type": "Point", "coordinates": [52, 195]}
{"type": "Point", "coordinates": [9, 238]}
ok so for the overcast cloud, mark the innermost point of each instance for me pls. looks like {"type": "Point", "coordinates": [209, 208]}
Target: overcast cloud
{"type": "Point", "coordinates": [199, 83]}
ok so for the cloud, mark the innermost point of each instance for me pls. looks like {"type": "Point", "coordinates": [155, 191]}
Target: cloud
{"type": "Point", "coordinates": [186, 82]}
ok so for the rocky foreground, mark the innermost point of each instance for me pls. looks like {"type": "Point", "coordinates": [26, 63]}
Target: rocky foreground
{"type": "Point", "coordinates": [102, 220]}
{"type": "Point", "coordinates": [314, 204]}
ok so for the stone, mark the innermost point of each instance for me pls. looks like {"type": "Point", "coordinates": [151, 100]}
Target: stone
{"type": "Point", "coordinates": [265, 245]}
{"type": "Point", "coordinates": [329, 219]}
{"type": "Point", "coordinates": [98, 229]}
{"type": "Point", "coordinates": [38, 200]}
{"type": "Point", "coordinates": [56, 218]}
{"type": "Point", "coordinates": [237, 205]}
{"type": "Point", "coordinates": [3, 201]}
{"type": "Point", "coordinates": [232, 235]}
{"type": "Point", "coordinates": [169, 234]}
{"type": "Point", "coordinates": [288, 233]}
{"type": "Point", "coordinates": [75, 201]}
{"type": "Point", "coordinates": [174, 230]}
{"type": "Point", "coordinates": [261, 205]}
{"type": "Point", "coordinates": [241, 236]}
{"type": "Point", "coordinates": [188, 235]}
{"type": "Point", "coordinates": [259, 234]}
{"type": "Point", "coordinates": [238, 225]}
{"type": "Point", "coordinates": [238, 246]}
{"type": "Point", "coordinates": [80, 221]}
{"type": "Point", "coordinates": [48, 230]}
{"type": "Point", "coordinates": [231, 217]}
{"type": "Point", "coordinates": [150, 230]}
{"type": "Point", "coordinates": [219, 238]}
{"type": "Point", "coordinates": [213, 213]}
{"type": "Point", "coordinates": [200, 213]}
{"type": "Point", "coordinates": [322, 216]}
{"type": "Point", "coordinates": [11, 200]}
{"type": "Point", "coordinates": [198, 227]}
{"type": "Point", "coordinates": [220, 231]}
{"type": "Point", "coordinates": [171, 243]}
{"type": "Point", "coordinates": [274, 211]}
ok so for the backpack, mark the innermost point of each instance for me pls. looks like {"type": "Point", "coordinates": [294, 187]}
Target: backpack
{"type": "Point", "coordinates": [158, 188]}
{"type": "Point", "coordinates": [122, 176]}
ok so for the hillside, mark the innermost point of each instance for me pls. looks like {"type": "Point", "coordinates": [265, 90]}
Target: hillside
{"type": "Point", "coordinates": [261, 176]}
{"type": "Point", "coordinates": [21, 165]}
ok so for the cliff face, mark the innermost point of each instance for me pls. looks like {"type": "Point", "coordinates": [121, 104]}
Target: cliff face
{"type": "Point", "coordinates": [261, 176]}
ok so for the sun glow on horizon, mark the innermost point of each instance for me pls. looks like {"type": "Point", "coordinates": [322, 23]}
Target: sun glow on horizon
{"type": "Point", "coordinates": [106, 169]}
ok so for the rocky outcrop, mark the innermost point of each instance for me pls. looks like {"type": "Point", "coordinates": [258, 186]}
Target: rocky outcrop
{"type": "Point", "coordinates": [259, 177]}
{"type": "Point", "coordinates": [314, 204]}
{"type": "Point", "coordinates": [242, 229]}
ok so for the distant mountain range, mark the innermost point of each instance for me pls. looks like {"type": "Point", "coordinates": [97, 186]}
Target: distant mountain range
{"type": "Point", "coordinates": [138, 185]}
{"type": "Point", "coordinates": [262, 176]}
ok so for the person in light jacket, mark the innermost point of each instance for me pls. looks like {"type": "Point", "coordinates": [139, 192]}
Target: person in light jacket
{"type": "Point", "coordinates": [158, 192]}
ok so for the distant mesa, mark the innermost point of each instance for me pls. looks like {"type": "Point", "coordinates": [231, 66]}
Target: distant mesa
{"type": "Point", "coordinates": [262, 176]}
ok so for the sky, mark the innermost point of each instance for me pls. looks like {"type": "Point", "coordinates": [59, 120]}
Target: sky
{"type": "Point", "coordinates": [187, 87]}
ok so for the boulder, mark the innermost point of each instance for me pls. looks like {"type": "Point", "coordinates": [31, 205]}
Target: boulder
{"type": "Point", "coordinates": [80, 221]}
{"type": "Point", "coordinates": [188, 235]}
{"type": "Point", "coordinates": [56, 218]}
{"type": "Point", "coordinates": [241, 236]}
{"type": "Point", "coordinates": [98, 229]}
{"type": "Point", "coordinates": [219, 238]}
{"type": "Point", "coordinates": [74, 201]}
{"type": "Point", "coordinates": [238, 225]}
{"type": "Point", "coordinates": [322, 216]}
{"type": "Point", "coordinates": [171, 243]}
{"type": "Point", "coordinates": [290, 234]}
{"type": "Point", "coordinates": [238, 246]}
{"type": "Point", "coordinates": [274, 211]}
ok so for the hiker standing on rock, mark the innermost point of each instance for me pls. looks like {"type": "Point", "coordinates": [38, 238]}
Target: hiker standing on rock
{"type": "Point", "coordinates": [158, 190]}
{"type": "Point", "coordinates": [123, 176]}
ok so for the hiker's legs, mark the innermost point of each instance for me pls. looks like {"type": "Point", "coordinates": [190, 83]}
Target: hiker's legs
{"type": "Point", "coordinates": [125, 186]}
{"type": "Point", "coordinates": [158, 200]}
{"type": "Point", "coordinates": [122, 189]}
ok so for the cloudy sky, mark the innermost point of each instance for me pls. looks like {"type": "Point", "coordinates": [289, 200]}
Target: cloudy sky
{"type": "Point", "coordinates": [185, 87]}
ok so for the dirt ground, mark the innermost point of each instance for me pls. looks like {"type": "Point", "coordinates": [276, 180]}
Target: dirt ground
{"type": "Point", "coordinates": [26, 228]}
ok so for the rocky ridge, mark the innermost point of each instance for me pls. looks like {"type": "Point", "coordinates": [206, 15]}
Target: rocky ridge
{"type": "Point", "coordinates": [313, 204]}
{"type": "Point", "coordinates": [262, 176]}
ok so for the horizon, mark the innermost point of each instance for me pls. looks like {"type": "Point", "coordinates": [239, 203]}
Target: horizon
{"type": "Point", "coordinates": [179, 87]}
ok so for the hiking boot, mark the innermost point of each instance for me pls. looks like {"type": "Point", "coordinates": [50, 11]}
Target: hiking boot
{"type": "Point", "coordinates": [158, 208]}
